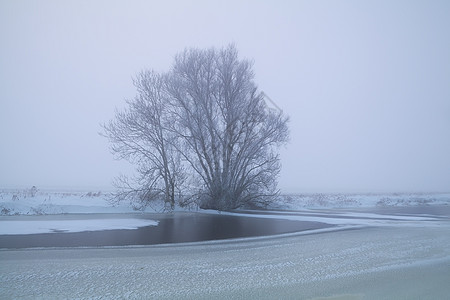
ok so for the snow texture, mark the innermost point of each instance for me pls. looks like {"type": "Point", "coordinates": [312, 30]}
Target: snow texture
{"type": "Point", "coordinates": [320, 200]}
{"type": "Point", "coordinates": [371, 263]}
{"type": "Point", "coordinates": [43, 202]}
{"type": "Point", "coordinates": [348, 219]}
{"type": "Point", "coordinates": [390, 256]}
{"type": "Point", "coordinates": [33, 227]}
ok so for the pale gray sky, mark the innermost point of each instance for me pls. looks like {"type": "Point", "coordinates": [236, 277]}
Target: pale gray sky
{"type": "Point", "coordinates": [365, 83]}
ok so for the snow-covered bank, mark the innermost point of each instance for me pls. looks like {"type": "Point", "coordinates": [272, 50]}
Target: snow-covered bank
{"type": "Point", "coordinates": [42, 202]}
{"type": "Point", "coordinates": [309, 208]}
{"type": "Point", "coordinates": [45, 202]}
{"type": "Point", "coordinates": [375, 263]}
{"type": "Point", "coordinates": [343, 218]}
{"type": "Point", "coordinates": [390, 256]}
{"type": "Point", "coordinates": [48, 226]}
{"type": "Point", "coordinates": [321, 200]}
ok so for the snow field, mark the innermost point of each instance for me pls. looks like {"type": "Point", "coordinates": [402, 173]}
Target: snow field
{"type": "Point", "coordinates": [23, 202]}
{"type": "Point", "coordinates": [388, 256]}
{"type": "Point", "coordinates": [342, 200]}
{"type": "Point", "coordinates": [342, 218]}
{"type": "Point", "coordinates": [43, 202]}
{"type": "Point", "coordinates": [34, 227]}
{"type": "Point", "coordinates": [301, 267]}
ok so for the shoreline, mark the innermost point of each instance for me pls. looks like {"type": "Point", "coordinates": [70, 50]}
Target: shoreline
{"type": "Point", "coordinates": [204, 227]}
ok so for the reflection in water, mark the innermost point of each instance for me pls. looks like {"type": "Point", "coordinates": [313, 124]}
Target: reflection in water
{"type": "Point", "coordinates": [172, 228]}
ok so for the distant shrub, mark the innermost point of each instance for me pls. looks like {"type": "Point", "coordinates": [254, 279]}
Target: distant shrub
{"type": "Point", "coordinates": [37, 210]}
{"type": "Point", "coordinates": [92, 194]}
{"type": "Point", "coordinates": [33, 191]}
{"type": "Point", "coordinates": [320, 199]}
{"type": "Point", "coordinates": [5, 211]}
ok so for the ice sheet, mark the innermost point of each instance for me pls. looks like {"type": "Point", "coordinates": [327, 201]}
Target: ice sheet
{"type": "Point", "coordinates": [48, 226]}
{"type": "Point", "coordinates": [349, 218]}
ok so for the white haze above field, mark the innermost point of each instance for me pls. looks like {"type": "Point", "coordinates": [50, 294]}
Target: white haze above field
{"type": "Point", "coordinates": [365, 83]}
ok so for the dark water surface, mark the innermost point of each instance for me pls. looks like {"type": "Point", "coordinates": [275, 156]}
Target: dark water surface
{"type": "Point", "coordinates": [172, 228]}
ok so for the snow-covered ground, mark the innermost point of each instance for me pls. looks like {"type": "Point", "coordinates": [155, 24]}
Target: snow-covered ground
{"type": "Point", "coordinates": [45, 226]}
{"type": "Point", "coordinates": [320, 200]}
{"type": "Point", "coordinates": [371, 263]}
{"type": "Point", "coordinates": [348, 219]}
{"type": "Point", "coordinates": [308, 207]}
{"type": "Point", "coordinates": [22, 202]}
{"type": "Point", "coordinates": [390, 256]}
{"type": "Point", "coordinates": [41, 202]}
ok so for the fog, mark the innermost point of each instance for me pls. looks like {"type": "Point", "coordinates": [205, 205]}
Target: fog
{"type": "Point", "coordinates": [366, 85]}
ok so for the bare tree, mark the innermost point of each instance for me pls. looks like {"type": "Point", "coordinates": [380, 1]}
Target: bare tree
{"type": "Point", "coordinates": [140, 134]}
{"type": "Point", "coordinates": [204, 123]}
{"type": "Point", "coordinates": [229, 137]}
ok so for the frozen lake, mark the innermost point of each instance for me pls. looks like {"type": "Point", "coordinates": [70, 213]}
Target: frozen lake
{"type": "Point", "coordinates": [171, 228]}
